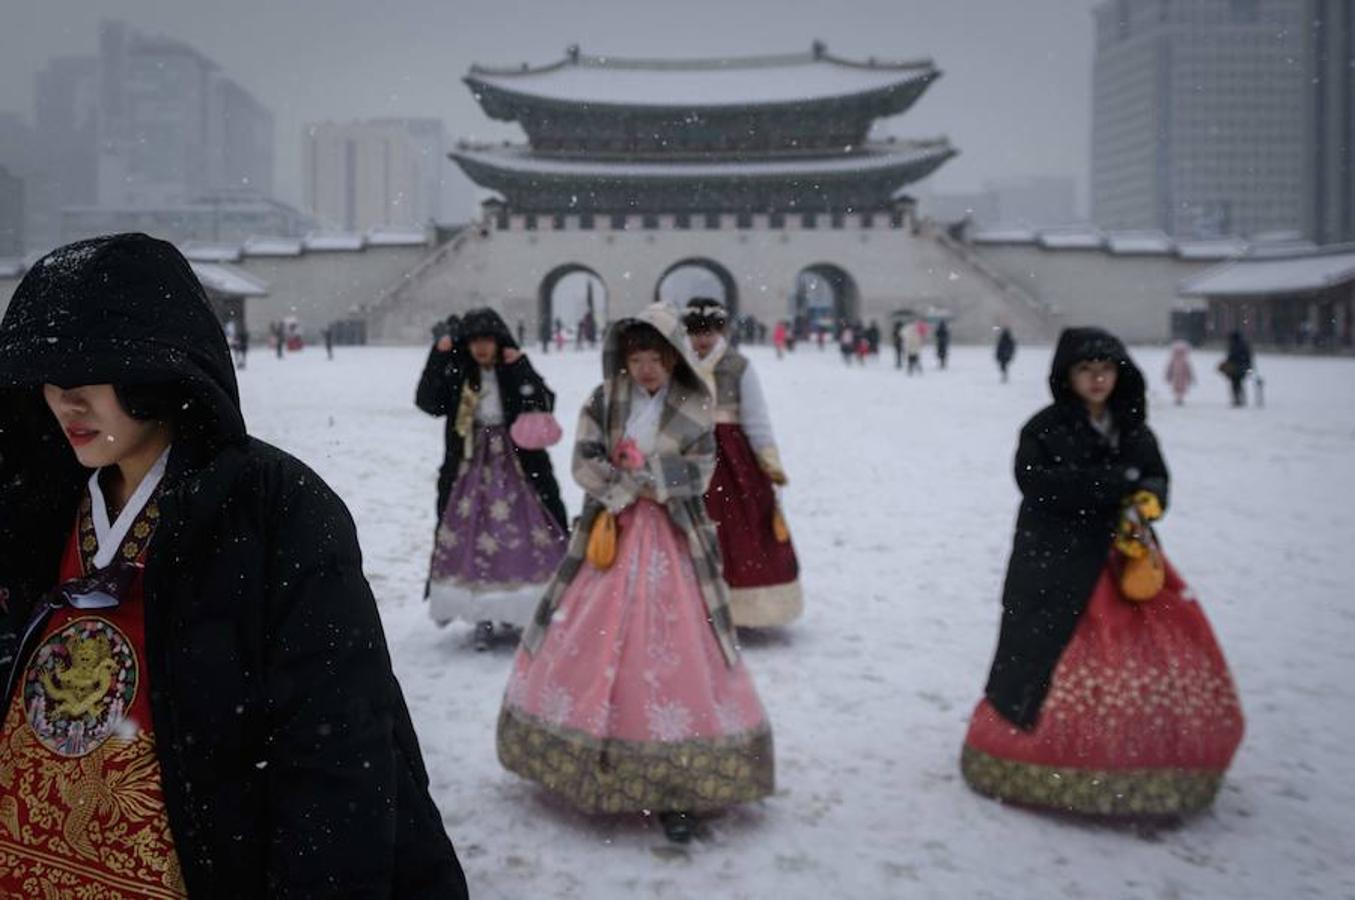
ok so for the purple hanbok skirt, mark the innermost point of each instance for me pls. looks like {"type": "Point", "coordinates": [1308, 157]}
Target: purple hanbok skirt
{"type": "Point", "coordinates": [496, 546]}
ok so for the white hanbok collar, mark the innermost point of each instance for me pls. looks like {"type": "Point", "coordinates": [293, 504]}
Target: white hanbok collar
{"type": "Point", "coordinates": [111, 534]}
{"type": "Point", "coordinates": [646, 415]}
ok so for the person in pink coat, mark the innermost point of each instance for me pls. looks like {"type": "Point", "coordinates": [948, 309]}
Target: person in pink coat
{"type": "Point", "coordinates": [1179, 373]}
{"type": "Point", "coordinates": [780, 337]}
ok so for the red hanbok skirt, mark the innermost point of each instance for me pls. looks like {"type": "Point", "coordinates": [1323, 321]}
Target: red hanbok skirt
{"type": "Point", "coordinates": [1141, 719]}
{"type": "Point", "coordinates": [762, 572]}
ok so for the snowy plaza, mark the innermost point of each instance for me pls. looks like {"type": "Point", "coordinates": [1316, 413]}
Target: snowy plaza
{"type": "Point", "coordinates": [901, 501]}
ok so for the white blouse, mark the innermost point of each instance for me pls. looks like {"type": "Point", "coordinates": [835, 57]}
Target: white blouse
{"type": "Point", "coordinates": [646, 412]}
{"type": "Point", "coordinates": [489, 409]}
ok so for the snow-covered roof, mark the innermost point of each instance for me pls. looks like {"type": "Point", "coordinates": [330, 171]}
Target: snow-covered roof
{"type": "Point", "coordinates": [1071, 239]}
{"type": "Point", "coordinates": [872, 158]}
{"type": "Point", "coordinates": [382, 237]}
{"type": "Point", "coordinates": [1222, 248]}
{"type": "Point", "coordinates": [272, 246]}
{"type": "Point", "coordinates": [793, 78]}
{"type": "Point", "coordinates": [330, 242]}
{"type": "Point", "coordinates": [1139, 243]}
{"type": "Point", "coordinates": [207, 252]}
{"type": "Point", "coordinates": [228, 280]}
{"type": "Point", "coordinates": [1003, 236]}
{"type": "Point", "coordinates": [1265, 274]}
{"type": "Point", "coordinates": [11, 268]}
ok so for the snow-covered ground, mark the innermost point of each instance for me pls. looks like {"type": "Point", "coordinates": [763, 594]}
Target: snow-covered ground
{"type": "Point", "coordinates": [902, 503]}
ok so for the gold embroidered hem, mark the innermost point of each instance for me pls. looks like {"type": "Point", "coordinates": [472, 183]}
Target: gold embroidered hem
{"type": "Point", "coordinates": [616, 776]}
{"type": "Point", "coordinates": [767, 607]}
{"type": "Point", "coordinates": [1130, 792]}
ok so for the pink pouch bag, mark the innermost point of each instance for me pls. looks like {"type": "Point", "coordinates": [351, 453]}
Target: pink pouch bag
{"type": "Point", "coordinates": [535, 431]}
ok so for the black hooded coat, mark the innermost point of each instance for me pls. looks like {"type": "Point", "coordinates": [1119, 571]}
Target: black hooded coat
{"type": "Point", "coordinates": [289, 764]}
{"type": "Point", "coordinates": [1073, 482]}
{"type": "Point", "coordinates": [522, 391]}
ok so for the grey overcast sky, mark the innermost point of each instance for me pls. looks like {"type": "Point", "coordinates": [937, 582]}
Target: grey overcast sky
{"type": "Point", "coordinates": [1015, 96]}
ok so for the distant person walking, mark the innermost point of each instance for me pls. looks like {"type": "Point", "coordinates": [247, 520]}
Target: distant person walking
{"type": "Point", "coordinates": [779, 338]}
{"type": "Point", "coordinates": [1179, 374]}
{"type": "Point", "coordinates": [846, 343]}
{"type": "Point", "coordinates": [897, 335]}
{"type": "Point", "coordinates": [1236, 366]}
{"type": "Point", "coordinates": [328, 335]}
{"type": "Point", "coordinates": [913, 338]}
{"type": "Point", "coordinates": [942, 343]}
{"type": "Point", "coordinates": [1006, 351]}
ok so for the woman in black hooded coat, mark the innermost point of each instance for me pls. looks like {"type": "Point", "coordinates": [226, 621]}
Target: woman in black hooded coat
{"type": "Point", "coordinates": [288, 763]}
{"type": "Point", "coordinates": [1083, 464]}
{"type": "Point", "coordinates": [449, 367]}
{"type": "Point", "coordinates": [501, 529]}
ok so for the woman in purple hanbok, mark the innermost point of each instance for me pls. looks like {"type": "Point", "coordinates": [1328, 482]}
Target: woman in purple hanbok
{"type": "Point", "coordinates": [501, 529]}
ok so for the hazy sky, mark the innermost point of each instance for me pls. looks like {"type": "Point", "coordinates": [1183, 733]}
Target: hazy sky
{"type": "Point", "coordinates": [1014, 97]}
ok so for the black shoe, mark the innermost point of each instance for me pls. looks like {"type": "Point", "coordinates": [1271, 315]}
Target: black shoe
{"type": "Point", "coordinates": [677, 826]}
{"type": "Point", "coordinates": [484, 636]}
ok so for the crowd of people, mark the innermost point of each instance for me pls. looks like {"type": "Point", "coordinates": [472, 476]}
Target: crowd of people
{"type": "Point", "coordinates": [186, 616]}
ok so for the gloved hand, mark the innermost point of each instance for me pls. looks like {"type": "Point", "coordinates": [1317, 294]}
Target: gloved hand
{"type": "Point", "coordinates": [449, 327]}
{"type": "Point", "coordinates": [1148, 505]}
{"type": "Point", "coordinates": [770, 461]}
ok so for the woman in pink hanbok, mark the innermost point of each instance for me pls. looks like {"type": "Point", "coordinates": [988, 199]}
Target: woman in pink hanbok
{"type": "Point", "coordinates": [628, 693]}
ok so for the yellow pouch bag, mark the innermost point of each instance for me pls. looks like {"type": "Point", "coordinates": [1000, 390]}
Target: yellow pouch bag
{"type": "Point", "coordinates": [602, 541]}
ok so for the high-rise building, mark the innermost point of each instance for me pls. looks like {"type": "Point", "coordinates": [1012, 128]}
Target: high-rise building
{"type": "Point", "coordinates": [11, 214]}
{"type": "Point", "coordinates": [1199, 110]}
{"type": "Point", "coordinates": [1332, 129]}
{"type": "Point", "coordinates": [66, 122]}
{"type": "Point", "coordinates": [430, 140]}
{"type": "Point", "coordinates": [172, 127]}
{"type": "Point", "coordinates": [363, 175]}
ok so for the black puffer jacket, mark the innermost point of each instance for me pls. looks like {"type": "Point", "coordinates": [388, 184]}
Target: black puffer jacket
{"type": "Point", "coordinates": [289, 764]}
{"type": "Point", "coordinates": [1073, 481]}
{"type": "Point", "coordinates": [522, 390]}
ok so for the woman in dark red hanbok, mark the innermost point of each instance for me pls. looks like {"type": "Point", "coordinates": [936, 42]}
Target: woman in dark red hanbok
{"type": "Point", "coordinates": [760, 565]}
{"type": "Point", "coordinates": [1097, 703]}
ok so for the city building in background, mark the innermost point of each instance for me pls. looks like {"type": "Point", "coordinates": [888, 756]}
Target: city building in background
{"type": "Point", "coordinates": [1200, 116]}
{"type": "Point", "coordinates": [11, 214]}
{"type": "Point", "coordinates": [219, 216]}
{"type": "Point", "coordinates": [172, 126]}
{"type": "Point", "coordinates": [374, 174]}
{"type": "Point", "coordinates": [1332, 129]}
{"type": "Point", "coordinates": [66, 126]}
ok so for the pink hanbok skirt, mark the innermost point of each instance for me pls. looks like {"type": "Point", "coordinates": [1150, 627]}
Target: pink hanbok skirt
{"type": "Point", "coordinates": [629, 704]}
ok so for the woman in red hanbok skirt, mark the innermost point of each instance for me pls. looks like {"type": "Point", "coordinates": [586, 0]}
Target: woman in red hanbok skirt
{"type": "Point", "coordinates": [760, 566]}
{"type": "Point", "coordinates": [1096, 703]}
